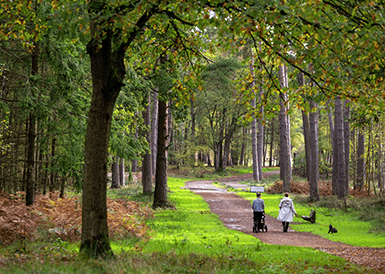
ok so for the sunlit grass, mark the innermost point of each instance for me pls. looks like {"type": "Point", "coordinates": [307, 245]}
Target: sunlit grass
{"type": "Point", "coordinates": [187, 239]}
{"type": "Point", "coordinates": [351, 230]}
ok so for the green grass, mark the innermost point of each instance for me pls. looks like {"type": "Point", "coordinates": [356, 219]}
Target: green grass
{"type": "Point", "coordinates": [192, 229]}
{"type": "Point", "coordinates": [188, 239]}
{"type": "Point", "coordinates": [351, 229]}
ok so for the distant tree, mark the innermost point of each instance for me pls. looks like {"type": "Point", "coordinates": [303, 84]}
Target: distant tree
{"type": "Point", "coordinates": [284, 133]}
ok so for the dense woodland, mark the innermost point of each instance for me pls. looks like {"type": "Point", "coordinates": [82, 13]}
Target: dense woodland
{"type": "Point", "coordinates": [93, 88]}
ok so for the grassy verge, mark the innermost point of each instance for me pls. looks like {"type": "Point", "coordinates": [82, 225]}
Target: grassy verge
{"type": "Point", "coordinates": [192, 230]}
{"type": "Point", "coordinates": [351, 228]}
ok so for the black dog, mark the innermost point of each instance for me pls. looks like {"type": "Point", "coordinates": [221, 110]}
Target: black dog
{"type": "Point", "coordinates": [332, 229]}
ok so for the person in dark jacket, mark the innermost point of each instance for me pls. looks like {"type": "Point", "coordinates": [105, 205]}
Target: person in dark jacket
{"type": "Point", "coordinates": [258, 209]}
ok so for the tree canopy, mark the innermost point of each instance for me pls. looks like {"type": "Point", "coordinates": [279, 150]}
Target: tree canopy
{"type": "Point", "coordinates": [79, 72]}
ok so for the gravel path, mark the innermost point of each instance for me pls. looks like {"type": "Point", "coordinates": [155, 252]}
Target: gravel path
{"type": "Point", "coordinates": [235, 212]}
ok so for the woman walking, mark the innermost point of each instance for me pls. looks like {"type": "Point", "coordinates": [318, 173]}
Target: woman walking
{"type": "Point", "coordinates": [286, 211]}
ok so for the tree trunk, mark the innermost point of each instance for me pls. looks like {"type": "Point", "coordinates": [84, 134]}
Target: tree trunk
{"type": "Point", "coordinates": [154, 131]}
{"type": "Point", "coordinates": [334, 163]}
{"type": "Point", "coordinates": [31, 137]}
{"type": "Point", "coordinates": [53, 173]}
{"type": "Point", "coordinates": [314, 168]}
{"type": "Point", "coordinates": [379, 163]}
{"type": "Point", "coordinates": [228, 139]}
{"type": "Point", "coordinates": [347, 143]}
{"type": "Point", "coordinates": [271, 142]}
{"type": "Point", "coordinates": [305, 123]}
{"type": "Point", "coordinates": [115, 172]}
{"type": "Point", "coordinates": [193, 114]}
{"type": "Point", "coordinates": [260, 136]}
{"type": "Point", "coordinates": [361, 159]}
{"type": "Point", "coordinates": [121, 173]}
{"type": "Point", "coordinates": [340, 149]}
{"type": "Point", "coordinates": [254, 148]}
{"type": "Point", "coordinates": [108, 72]}
{"type": "Point", "coordinates": [160, 195]}
{"type": "Point", "coordinates": [62, 186]}
{"type": "Point", "coordinates": [242, 156]}
{"type": "Point", "coordinates": [146, 162]}
{"type": "Point", "coordinates": [284, 161]}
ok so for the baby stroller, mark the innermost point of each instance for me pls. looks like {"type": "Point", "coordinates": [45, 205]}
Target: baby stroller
{"type": "Point", "coordinates": [261, 226]}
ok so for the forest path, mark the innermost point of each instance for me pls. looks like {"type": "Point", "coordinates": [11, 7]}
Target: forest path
{"type": "Point", "coordinates": [235, 212]}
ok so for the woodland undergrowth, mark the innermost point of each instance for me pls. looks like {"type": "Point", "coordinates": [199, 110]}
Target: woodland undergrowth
{"type": "Point", "coordinates": [61, 218]}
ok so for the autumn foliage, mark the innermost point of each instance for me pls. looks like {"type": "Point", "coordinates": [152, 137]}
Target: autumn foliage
{"type": "Point", "coordinates": [61, 218]}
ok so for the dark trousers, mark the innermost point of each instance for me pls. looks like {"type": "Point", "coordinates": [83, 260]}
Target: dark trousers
{"type": "Point", "coordinates": [285, 226]}
{"type": "Point", "coordinates": [257, 217]}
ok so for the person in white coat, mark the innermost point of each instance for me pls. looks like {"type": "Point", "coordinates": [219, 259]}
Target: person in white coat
{"type": "Point", "coordinates": [286, 211]}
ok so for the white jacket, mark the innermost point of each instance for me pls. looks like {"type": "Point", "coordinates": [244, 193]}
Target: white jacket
{"type": "Point", "coordinates": [287, 210]}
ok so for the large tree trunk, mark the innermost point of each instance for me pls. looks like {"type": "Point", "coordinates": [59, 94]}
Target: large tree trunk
{"type": "Point", "coordinates": [108, 71]}
{"type": "Point", "coordinates": [339, 156]}
{"type": "Point", "coordinates": [146, 162]}
{"type": "Point", "coordinates": [284, 135]}
{"type": "Point", "coordinates": [313, 137]}
{"type": "Point", "coordinates": [360, 159]}
{"type": "Point", "coordinates": [160, 195]}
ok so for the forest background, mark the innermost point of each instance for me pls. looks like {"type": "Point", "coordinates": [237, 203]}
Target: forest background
{"type": "Point", "coordinates": [87, 85]}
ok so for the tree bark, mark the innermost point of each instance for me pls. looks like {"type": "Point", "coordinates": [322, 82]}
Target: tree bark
{"type": "Point", "coordinates": [361, 159]}
{"type": "Point", "coordinates": [228, 138]}
{"type": "Point", "coordinates": [347, 143]}
{"type": "Point", "coordinates": [284, 134]}
{"type": "Point", "coordinates": [254, 147]}
{"type": "Point", "coordinates": [154, 131]}
{"type": "Point", "coordinates": [334, 149]}
{"type": "Point", "coordinates": [271, 142]}
{"type": "Point", "coordinates": [115, 172]}
{"type": "Point", "coordinates": [305, 125]}
{"type": "Point", "coordinates": [121, 173]}
{"type": "Point", "coordinates": [31, 137]}
{"type": "Point", "coordinates": [146, 162]}
{"type": "Point", "coordinates": [53, 174]}
{"type": "Point", "coordinates": [340, 149]}
{"type": "Point", "coordinates": [242, 156]}
{"type": "Point", "coordinates": [108, 72]}
{"type": "Point", "coordinates": [160, 195]}
{"type": "Point", "coordinates": [313, 137]}
{"type": "Point", "coordinates": [260, 136]}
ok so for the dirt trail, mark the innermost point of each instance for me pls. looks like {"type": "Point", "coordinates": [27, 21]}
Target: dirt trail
{"type": "Point", "coordinates": [236, 213]}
